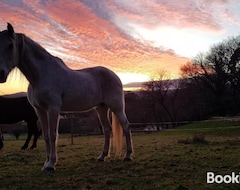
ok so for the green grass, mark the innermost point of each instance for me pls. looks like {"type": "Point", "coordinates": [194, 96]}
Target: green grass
{"type": "Point", "coordinates": [212, 124]}
{"type": "Point", "coordinates": [161, 161]}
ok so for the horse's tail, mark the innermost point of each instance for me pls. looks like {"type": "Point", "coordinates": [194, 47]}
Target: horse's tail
{"type": "Point", "coordinates": [117, 135]}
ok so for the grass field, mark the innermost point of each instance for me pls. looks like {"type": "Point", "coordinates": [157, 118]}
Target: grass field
{"type": "Point", "coordinates": [172, 159]}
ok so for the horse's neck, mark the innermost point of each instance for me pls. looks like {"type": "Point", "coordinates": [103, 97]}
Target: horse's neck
{"type": "Point", "coordinates": [34, 59]}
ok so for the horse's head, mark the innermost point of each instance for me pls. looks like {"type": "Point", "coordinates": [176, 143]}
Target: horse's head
{"type": "Point", "coordinates": [8, 52]}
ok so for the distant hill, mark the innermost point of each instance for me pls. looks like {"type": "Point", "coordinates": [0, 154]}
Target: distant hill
{"type": "Point", "coordinates": [133, 86]}
{"type": "Point", "coordinates": [174, 83]}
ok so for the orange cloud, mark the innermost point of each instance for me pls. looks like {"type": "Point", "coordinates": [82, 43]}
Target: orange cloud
{"type": "Point", "coordinates": [98, 41]}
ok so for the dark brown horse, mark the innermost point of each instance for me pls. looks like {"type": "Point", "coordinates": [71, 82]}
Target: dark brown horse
{"type": "Point", "coordinates": [15, 108]}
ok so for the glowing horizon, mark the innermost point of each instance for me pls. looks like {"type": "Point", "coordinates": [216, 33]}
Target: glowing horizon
{"type": "Point", "coordinates": [134, 40]}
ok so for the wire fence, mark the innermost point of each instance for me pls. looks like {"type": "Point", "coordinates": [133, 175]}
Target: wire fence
{"type": "Point", "coordinates": [157, 126]}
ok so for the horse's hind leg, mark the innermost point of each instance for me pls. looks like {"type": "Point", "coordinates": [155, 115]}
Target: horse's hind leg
{"type": "Point", "coordinates": [29, 136]}
{"type": "Point", "coordinates": [102, 113]}
{"type": "Point", "coordinates": [36, 133]}
{"type": "Point", "coordinates": [122, 119]}
{"type": "Point", "coordinates": [1, 139]}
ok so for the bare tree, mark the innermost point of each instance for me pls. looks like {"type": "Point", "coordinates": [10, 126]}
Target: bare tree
{"type": "Point", "coordinates": [213, 70]}
{"type": "Point", "coordinates": [161, 94]}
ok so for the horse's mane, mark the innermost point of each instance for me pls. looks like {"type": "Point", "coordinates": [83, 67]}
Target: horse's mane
{"type": "Point", "coordinates": [3, 31]}
{"type": "Point", "coordinates": [40, 51]}
{"type": "Point", "coordinates": [17, 75]}
{"type": "Point", "coordinates": [33, 46]}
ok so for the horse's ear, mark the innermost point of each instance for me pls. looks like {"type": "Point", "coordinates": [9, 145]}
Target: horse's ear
{"type": "Point", "coordinates": [10, 29]}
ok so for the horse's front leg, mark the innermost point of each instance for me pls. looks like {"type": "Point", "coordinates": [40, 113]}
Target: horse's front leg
{"type": "Point", "coordinates": [51, 140]}
{"type": "Point", "coordinates": [42, 115]}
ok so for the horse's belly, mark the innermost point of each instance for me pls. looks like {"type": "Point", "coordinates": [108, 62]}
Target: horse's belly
{"type": "Point", "coordinates": [76, 108]}
{"type": "Point", "coordinates": [79, 104]}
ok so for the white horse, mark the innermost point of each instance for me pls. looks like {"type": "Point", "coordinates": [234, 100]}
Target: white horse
{"type": "Point", "coordinates": [55, 88]}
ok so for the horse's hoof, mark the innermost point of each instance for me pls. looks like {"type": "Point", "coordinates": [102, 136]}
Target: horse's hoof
{"type": "Point", "coordinates": [127, 159]}
{"type": "Point", "coordinates": [100, 160]}
{"type": "Point", "coordinates": [49, 169]}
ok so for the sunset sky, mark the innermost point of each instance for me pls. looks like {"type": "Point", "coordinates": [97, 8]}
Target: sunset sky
{"type": "Point", "coordinates": [134, 38]}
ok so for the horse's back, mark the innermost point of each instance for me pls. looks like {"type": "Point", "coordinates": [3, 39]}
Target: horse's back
{"type": "Point", "coordinates": [105, 80]}
{"type": "Point", "coordinates": [90, 87]}
{"type": "Point", "coordinates": [106, 77]}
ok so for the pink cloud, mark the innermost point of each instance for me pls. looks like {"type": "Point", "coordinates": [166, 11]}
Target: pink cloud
{"type": "Point", "coordinates": [87, 33]}
{"type": "Point", "coordinates": [184, 14]}
{"type": "Point", "coordinates": [84, 37]}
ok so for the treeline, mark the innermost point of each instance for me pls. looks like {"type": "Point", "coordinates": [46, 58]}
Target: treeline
{"type": "Point", "coordinates": [216, 74]}
{"type": "Point", "coordinates": [210, 86]}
